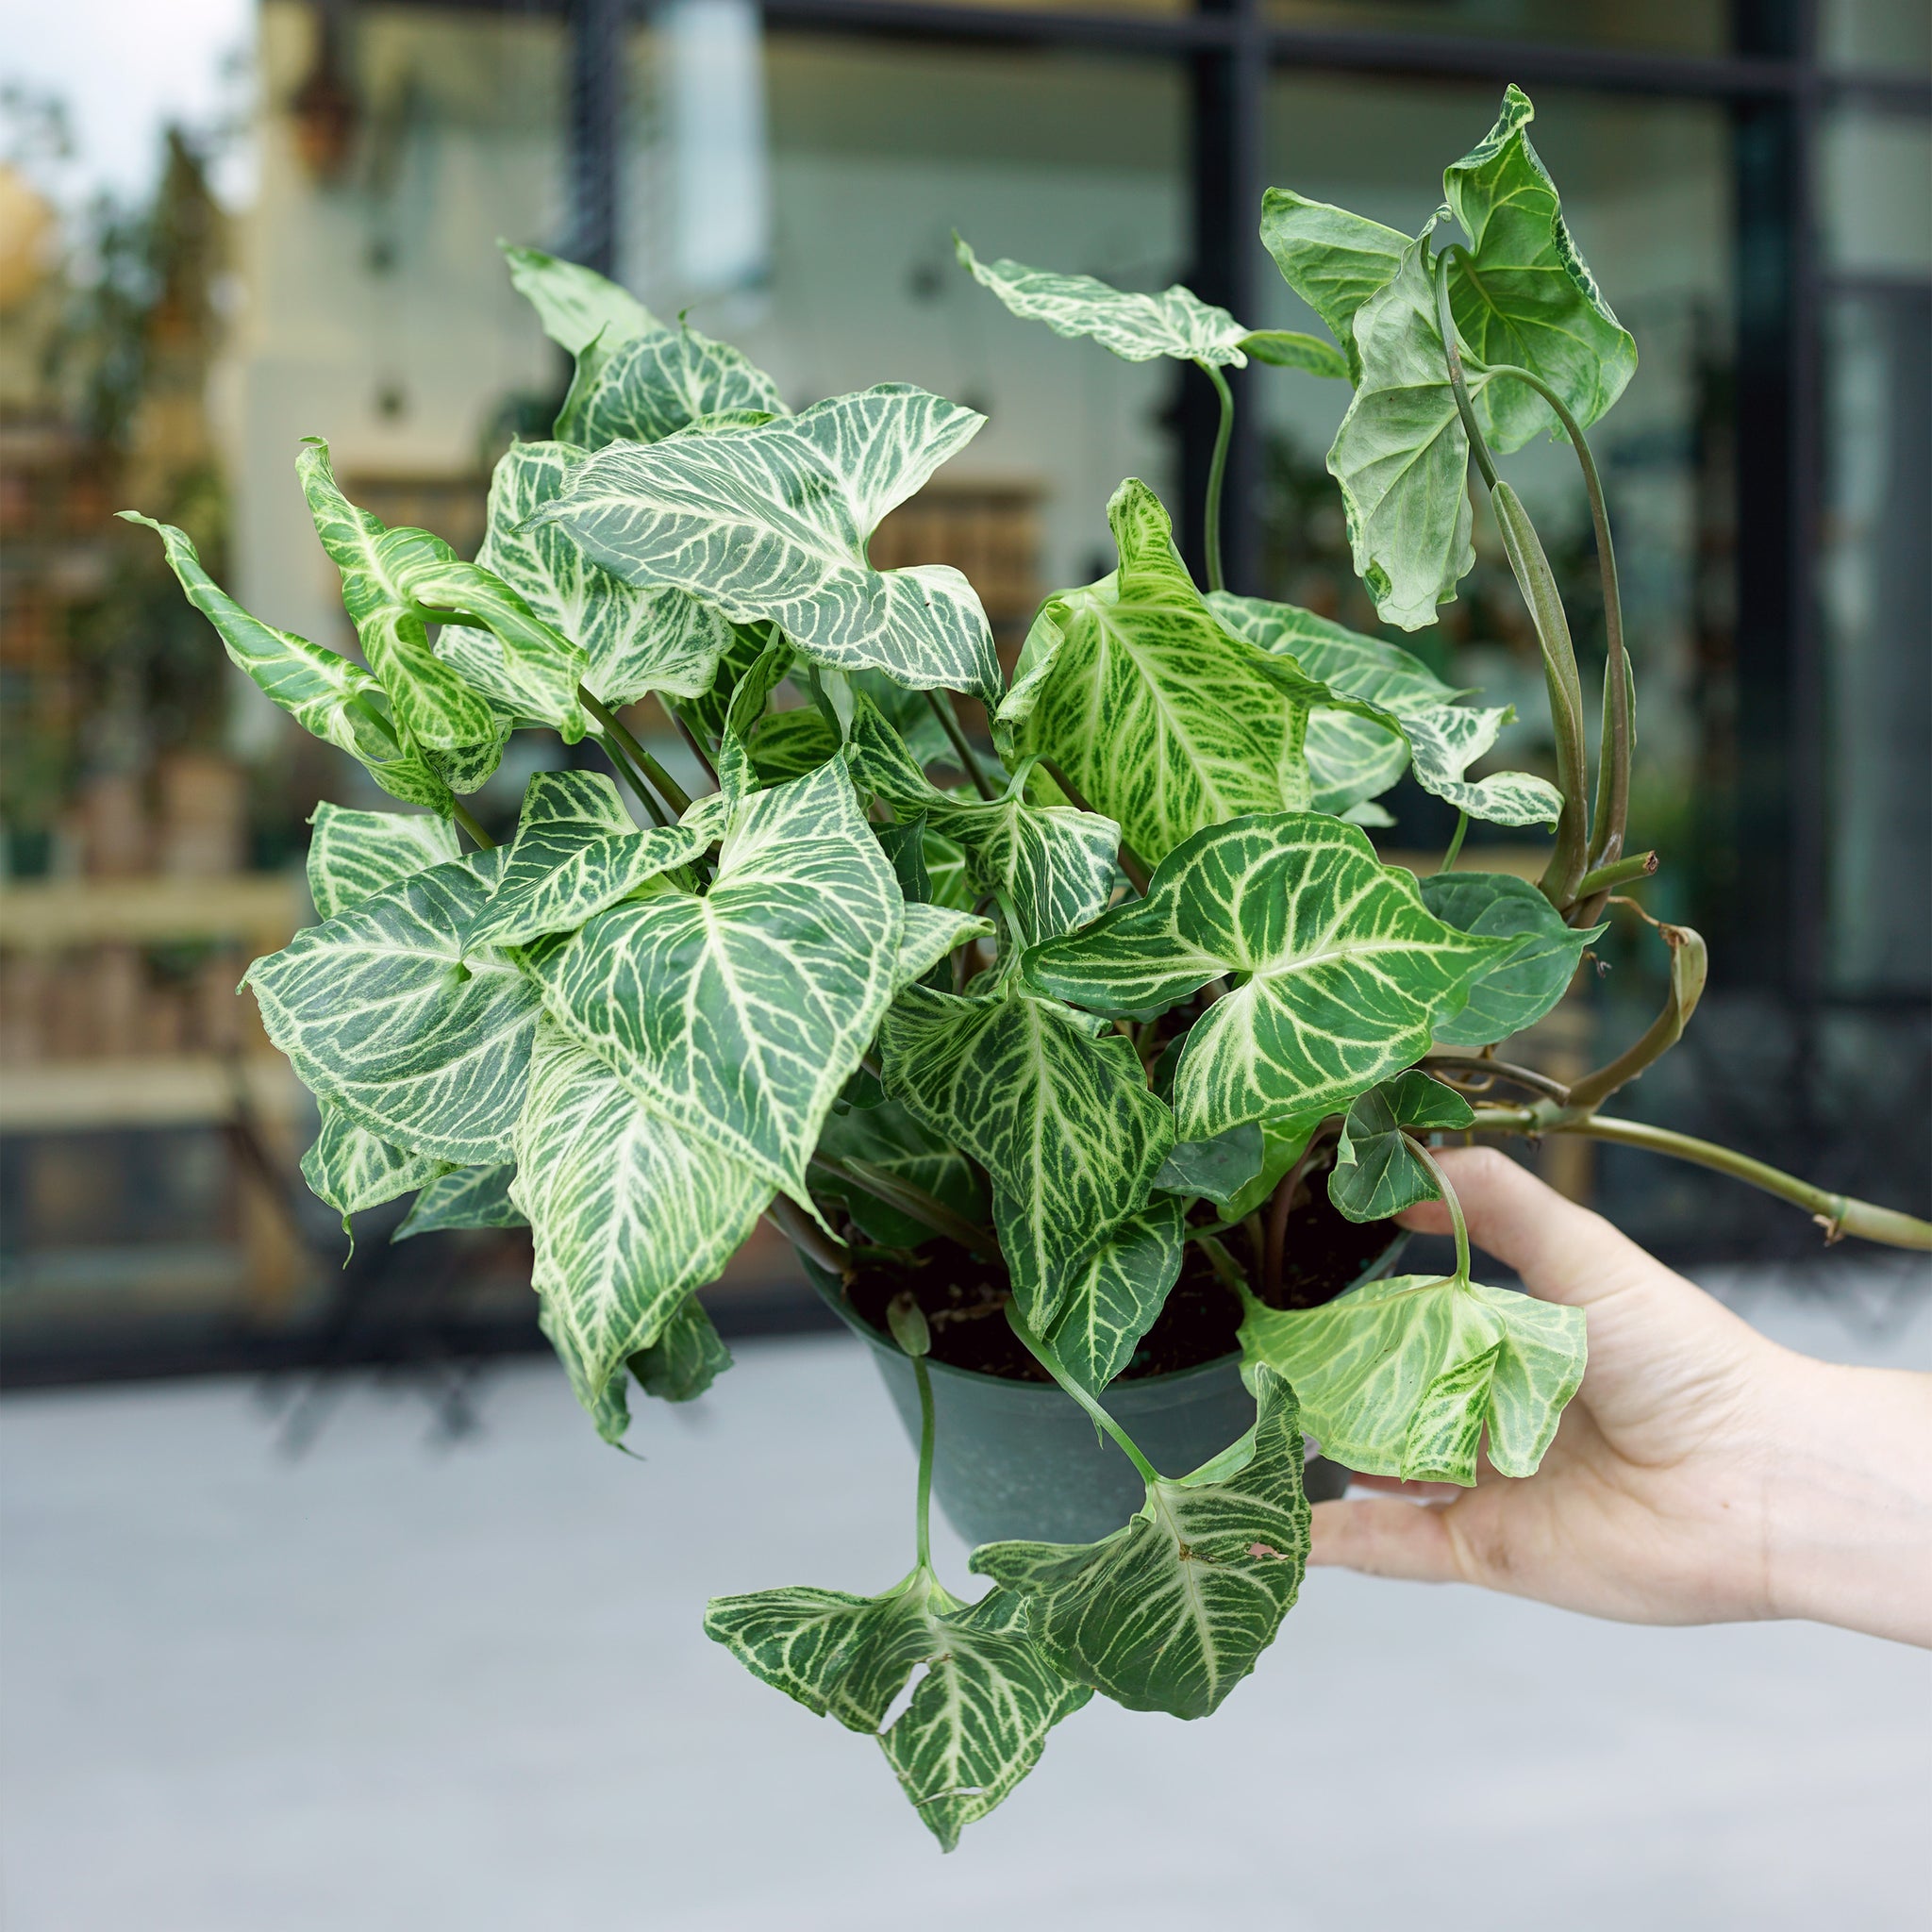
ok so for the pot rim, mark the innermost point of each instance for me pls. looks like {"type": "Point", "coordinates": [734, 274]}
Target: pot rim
{"type": "Point", "coordinates": [831, 1291]}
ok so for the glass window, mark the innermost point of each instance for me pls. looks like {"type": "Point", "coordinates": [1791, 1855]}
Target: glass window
{"type": "Point", "coordinates": [1876, 193]}
{"type": "Point", "coordinates": [1695, 27]}
{"type": "Point", "coordinates": [1875, 35]}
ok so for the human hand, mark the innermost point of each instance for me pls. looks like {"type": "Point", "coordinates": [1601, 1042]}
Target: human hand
{"type": "Point", "coordinates": [1702, 1474]}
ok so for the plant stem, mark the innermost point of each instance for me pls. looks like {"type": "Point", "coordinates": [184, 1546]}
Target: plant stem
{"type": "Point", "coordinates": [949, 724]}
{"type": "Point", "coordinates": [697, 747]}
{"type": "Point", "coordinates": [1503, 1070]}
{"type": "Point", "coordinates": [1448, 1194]}
{"type": "Point", "coordinates": [803, 1232]}
{"type": "Point", "coordinates": [1618, 739]}
{"type": "Point", "coordinates": [1454, 850]}
{"type": "Point", "coordinates": [1051, 1363]}
{"type": "Point", "coordinates": [1452, 353]}
{"type": "Point", "coordinates": [1279, 1208]}
{"type": "Point", "coordinates": [461, 812]}
{"type": "Point", "coordinates": [1838, 1214]}
{"type": "Point", "coordinates": [1131, 863]}
{"type": "Point", "coordinates": [1217, 474]}
{"type": "Point", "coordinates": [1687, 969]}
{"type": "Point", "coordinates": [923, 1505]}
{"type": "Point", "coordinates": [1619, 871]}
{"type": "Point", "coordinates": [632, 778]}
{"type": "Point", "coordinates": [674, 794]}
{"type": "Point", "coordinates": [893, 1190]}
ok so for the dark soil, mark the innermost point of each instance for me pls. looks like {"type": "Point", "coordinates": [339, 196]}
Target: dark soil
{"type": "Point", "coordinates": [964, 1298]}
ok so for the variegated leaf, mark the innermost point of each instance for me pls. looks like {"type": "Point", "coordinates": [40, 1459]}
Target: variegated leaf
{"type": "Point", "coordinates": [628, 1213]}
{"type": "Point", "coordinates": [1377, 1173]}
{"type": "Point", "coordinates": [1524, 983]}
{"type": "Point", "coordinates": [497, 653]}
{"type": "Point", "coordinates": [1058, 1114]}
{"type": "Point", "coordinates": [1340, 973]}
{"type": "Point", "coordinates": [1135, 690]}
{"type": "Point", "coordinates": [738, 1014]}
{"type": "Point", "coordinates": [380, 1012]}
{"type": "Point", "coordinates": [1119, 1293]}
{"type": "Point", "coordinates": [788, 744]}
{"type": "Point", "coordinates": [1288, 348]}
{"type": "Point", "coordinates": [577, 851]}
{"type": "Point", "coordinates": [355, 854]}
{"type": "Point", "coordinates": [1283, 1142]}
{"type": "Point", "coordinates": [1170, 1612]}
{"type": "Point", "coordinates": [1401, 1377]}
{"type": "Point", "coordinates": [687, 1357]}
{"type": "Point", "coordinates": [666, 380]}
{"type": "Point", "coordinates": [931, 933]}
{"type": "Point", "coordinates": [1333, 259]}
{"type": "Point", "coordinates": [1400, 455]}
{"type": "Point", "coordinates": [888, 1136]}
{"type": "Point", "coordinates": [1217, 1168]}
{"type": "Point", "coordinates": [575, 305]}
{"type": "Point", "coordinates": [465, 1197]}
{"type": "Point", "coordinates": [1525, 295]}
{"type": "Point", "coordinates": [635, 639]}
{"type": "Point", "coordinates": [352, 1169]}
{"type": "Point", "coordinates": [339, 701]}
{"type": "Point", "coordinates": [770, 524]}
{"type": "Point", "coordinates": [1052, 866]}
{"type": "Point", "coordinates": [1136, 327]}
{"type": "Point", "coordinates": [1352, 754]}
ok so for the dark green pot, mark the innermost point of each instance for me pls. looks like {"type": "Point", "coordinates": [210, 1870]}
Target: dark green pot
{"type": "Point", "coordinates": [1020, 1459]}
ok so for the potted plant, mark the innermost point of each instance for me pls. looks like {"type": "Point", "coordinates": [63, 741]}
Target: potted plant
{"type": "Point", "coordinates": [1085, 1071]}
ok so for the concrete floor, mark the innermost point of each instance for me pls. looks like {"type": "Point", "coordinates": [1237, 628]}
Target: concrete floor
{"type": "Point", "coordinates": [405, 1684]}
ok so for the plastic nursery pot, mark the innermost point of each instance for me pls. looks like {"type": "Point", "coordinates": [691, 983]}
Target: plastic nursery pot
{"type": "Point", "coordinates": [1020, 1459]}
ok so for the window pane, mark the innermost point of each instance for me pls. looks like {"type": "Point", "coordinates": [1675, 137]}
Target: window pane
{"type": "Point", "coordinates": [1876, 193]}
{"type": "Point", "coordinates": [1876, 34]}
{"type": "Point", "coordinates": [1695, 27]}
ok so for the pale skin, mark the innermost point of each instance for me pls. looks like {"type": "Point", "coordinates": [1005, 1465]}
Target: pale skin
{"type": "Point", "coordinates": [1703, 1474]}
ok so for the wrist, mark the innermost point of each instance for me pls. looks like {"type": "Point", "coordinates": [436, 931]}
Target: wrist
{"type": "Point", "coordinates": [1849, 1533]}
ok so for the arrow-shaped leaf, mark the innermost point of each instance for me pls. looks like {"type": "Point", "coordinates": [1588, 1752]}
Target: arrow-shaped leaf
{"type": "Point", "coordinates": [664, 380]}
{"type": "Point", "coordinates": [1053, 866]}
{"type": "Point", "coordinates": [1375, 1173]}
{"type": "Point", "coordinates": [326, 694]}
{"type": "Point", "coordinates": [1525, 295]}
{"type": "Point", "coordinates": [1135, 690]}
{"type": "Point", "coordinates": [1520, 987]}
{"type": "Point", "coordinates": [353, 1168]}
{"type": "Point", "coordinates": [628, 1213]}
{"type": "Point", "coordinates": [1401, 1377]}
{"type": "Point", "coordinates": [1118, 1292]}
{"type": "Point", "coordinates": [575, 305]}
{"type": "Point", "coordinates": [1343, 973]}
{"type": "Point", "coordinates": [380, 1012]}
{"type": "Point", "coordinates": [1136, 327]}
{"type": "Point", "coordinates": [1170, 1612]}
{"type": "Point", "coordinates": [1058, 1114]}
{"type": "Point", "coordinates": [770, 524]}
{"type": "Point", "coordinates": [1333, 259]}
{"type": "Point", "coordinates": [577, 851]}
{"type": "Point", "coordinates": [465, 1197]}
{"type": "Point", "coordinates": [738, 1014]}
{"type": "Point", "coordinates": [635, 639]}
{"type": "Point", "coordinates": [687, 1357]}
{"type": "Point", "coordinates": [353, 854]}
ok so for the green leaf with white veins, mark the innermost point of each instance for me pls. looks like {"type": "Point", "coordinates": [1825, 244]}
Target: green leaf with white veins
{"type": "Point", "coordinates": [351, 1169]}
{"type": "Point", "coordinates": [1333, 259]}
{"type": "Point", "coordinates": [887, 1137]}
{"type": "Point", "coordinates": [635, 639]}
{"type": "Point", "coordinates": [628, 1213]}
{"type": "Point", "coordinates": [1134, 690]}
{"type": "Point", "coordinates": [770, 524]}
{"type": "Point", "coordinates": [394, 581]}
{"type": "Point", "coordinates": [738, 1014]}
{"type": "Point", "coordinates": [687, 1357]}
{"type": "Point", "coordinates": [1400, 455]}
{"type": "Point", "coordinates": [1401, 1377]}
{"type": "Point", "coordinates": [1170, 1612]}
{"type": "Point", "coordinates": [1053, 866]}
{"type": "Point", "coordinates": [1377, 1173]}
{"type": "Point", "coordinates": [577, 850]}
{"type": "Point", "coordinates": [1340, 972]}
{"type": "Point", "coordinates": [1119, 1293]}
{"type": "Point", "coordinates": [1525, 982]}
{"type": "Point", "coordinates": [575, 305]}
{"type": "Point", "coordinates": [666, 380]}
{"type": "Point", "coordinates": [355, 854]}
{"type": "Point", "coordinates": [1136, 327]}
{"type": "Point", "coordinates": [1351, 757]}
{"type": "Point", "coordinates": [932, 932]}
{"type": "Point", "coordinates": [1055, 1109]}
{"type": "Point", "coordinates": [380, 1012]}
{"type": "Point", "coordinates": [1524, 295]}
{"type": "Point", "coordinates": [326, 694]}
{"type": "Point", "coordinates": [465, 1197]}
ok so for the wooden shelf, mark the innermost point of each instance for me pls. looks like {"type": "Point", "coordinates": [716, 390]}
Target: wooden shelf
{"type": "Point", "coordinates": [182, 1089]}
{"type": "Point", "coordinates": [263, 908]}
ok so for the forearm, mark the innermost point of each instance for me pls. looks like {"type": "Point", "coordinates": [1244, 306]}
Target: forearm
{"type": "Point", "coordinates": [1851, 1529]}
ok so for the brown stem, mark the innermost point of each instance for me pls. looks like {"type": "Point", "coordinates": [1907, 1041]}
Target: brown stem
{"type": "Point", "coordinates": [1280, 1204]}
{"type": "Point", "coordinates": [806, 1235]}
{"type": "Point", "coordinates": [1503, 1070]}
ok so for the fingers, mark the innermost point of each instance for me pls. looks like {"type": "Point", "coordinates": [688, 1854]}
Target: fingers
{"type": "Point", "coordinates": [1564, 1252]}
{"type": "Point", "coordinates": [1383, 1539]}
